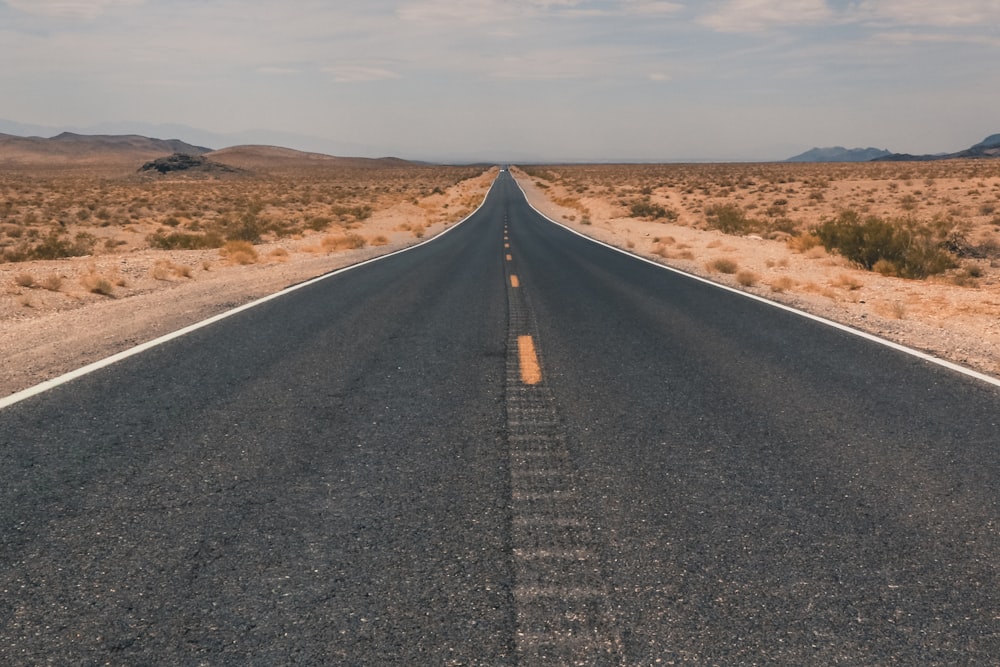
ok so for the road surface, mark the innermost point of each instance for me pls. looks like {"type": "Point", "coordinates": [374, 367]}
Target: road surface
{"type": "Point", "coordinates": [508, 446]}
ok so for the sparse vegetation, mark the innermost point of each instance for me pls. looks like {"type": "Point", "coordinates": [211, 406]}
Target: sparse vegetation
{"type": "Point", "coordinates": [902, 247]}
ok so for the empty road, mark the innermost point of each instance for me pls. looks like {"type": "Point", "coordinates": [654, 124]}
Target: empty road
{"type": "Point", "coordinates": [507, 446]}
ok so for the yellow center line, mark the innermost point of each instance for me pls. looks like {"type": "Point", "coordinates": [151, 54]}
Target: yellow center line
{"type": "Point", "coordinates": [531, 371]}
{"type": "Point", "coordinates": [506, 245]}
{"type": "Point", "coordinates": [509, 258]}
{"type": "Point", "coordinates": [514, 282]}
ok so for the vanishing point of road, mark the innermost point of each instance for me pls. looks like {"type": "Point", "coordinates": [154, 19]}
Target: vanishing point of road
{"type": "Point", "coordinates": [510, 445]}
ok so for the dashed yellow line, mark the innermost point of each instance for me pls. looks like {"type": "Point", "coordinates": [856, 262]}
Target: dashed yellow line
{"type": "Point", "coordinates": [514, 282]}
{"type": "Point", "coordinates": [509, 257]}
{"type": "Point", "coordinates": [531, 371]}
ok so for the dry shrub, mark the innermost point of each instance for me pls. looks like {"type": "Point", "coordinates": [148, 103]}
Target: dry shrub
{"type": "Point", "coordinates": [782, 284]}
{"type": "Point", "coordinates": [278, 255]}
{"type": "Point", "coordinates": [892, 309]}
{"type": "Point", "coordinates": [96, 283]}
{"type": "Point", "coordinates": [239, 252]}
{"type": "Point", "coordinates": [848, 282]}
{"type": "Point", "coordinates": [379, 240]}
{"type": "Point", "coordinates": [24, 280]}
{"type": "Point", "coordinates": [746, 278]}
{"type": "Point", "coordinates": [723, 265]}
{"type": "Point", "coordinates": [164, 269]}
{"type": "Point", "coordinates": [52, 282]}
{"type": "Point", "coordinates": [343, 242]}
{"type": "Point", "coordinates": [803, 242]}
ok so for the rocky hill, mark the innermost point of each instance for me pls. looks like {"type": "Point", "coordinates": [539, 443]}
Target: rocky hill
{"type": "Point", "coordinates": [839, 154]}
{"type": "Point", "coordinates": [988, 148]}
{"type": "Point", "coordinates": [70, 149]}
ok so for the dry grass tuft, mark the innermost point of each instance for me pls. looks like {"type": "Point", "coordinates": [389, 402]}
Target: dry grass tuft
{"type": "Point", "coordinates": [278, 255]}
{"type": "Point", "coordinates": [52, 282]}
{"type": "Point", "coordinates": [96, 283]}
{"type": "Point", "coordinates": [782, 284]}
{"type": "Point", "coordinates": [723, 265]}
{"type": "Point", "coordinates": [804, 242]}
{"type": "Point", "coordinates": [336, 242]}
{"type": "Point", "coordinates": [24, 280]}
{"type": "Point", "coordinates": [164, 269]}
{"type": "Point", "coordinates": [239, 252]}
{"type": "Point", "coordinates": [848, 282]}
{"type": "Point", "coordinates": [747, 278]}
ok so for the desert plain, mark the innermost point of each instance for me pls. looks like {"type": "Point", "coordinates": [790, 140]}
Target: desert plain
{"type": "Point", "coordinates": [97, 257]}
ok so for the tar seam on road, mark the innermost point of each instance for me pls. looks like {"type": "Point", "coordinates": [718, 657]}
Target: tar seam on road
{"type": "Point", "coordinates": [982, 377]}
{"type": "Point", "coordinates": [561, 596]}
{"type": "Point", "coordinates": [42, 387]}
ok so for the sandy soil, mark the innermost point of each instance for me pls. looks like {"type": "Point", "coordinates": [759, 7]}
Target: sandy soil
{"type": "Point", "coordinates": [957, 323]}
{"type": "Point", "coordinates": [52, 321]}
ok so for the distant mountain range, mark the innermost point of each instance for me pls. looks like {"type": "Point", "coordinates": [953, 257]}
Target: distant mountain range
{"type": "Point", "coordinates": [72, 148]}
{"type": "Point", "coordinates": [987, 148]}
{"type": "Point", "coordinates": [839, 154]}
{"type": "Point", "coordinates": [132, 151]}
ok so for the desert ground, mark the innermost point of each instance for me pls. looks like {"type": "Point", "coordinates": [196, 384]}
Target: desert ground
{"type": "Point", "coordinates": [99, 259]}
{"type": "Point", "coordinates": [672, 214]}
{"type": "Point", "coordinates": [141, 270]}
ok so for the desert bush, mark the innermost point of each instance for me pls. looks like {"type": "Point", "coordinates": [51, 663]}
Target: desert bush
{"type": "Point", "coordinates": [746, 278]}
{"type": "Point", "coordinates": [730, 219]}
{"type": "Point", "coordinates": [803, 242]}
{"type": "Point", "coordinates": [96, 283]}
{"type": "Point", "coordinates": [724, 265]}
{"type": "Point", "coordinates": [904, 247]}
{"type": "Point", "coordinates": [239, 252]}
{"type": "Point", "coordinates": [343, 242]}
{"type": "Point", "coordinates": [185, 241]}
{"type": "Point", "coordinates": [52, 282]}
{"type": "Point", "coordinates": [24, 280]}
{"type": "Point", "coordinates": [53, 246]}
{"type": "Point", "coordinates": [644, 208]}
{"type": "Point", "coordinates": [782, 284]}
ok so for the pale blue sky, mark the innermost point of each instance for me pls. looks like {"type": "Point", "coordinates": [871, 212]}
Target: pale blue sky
{"type": "Point", "coordinates": [518, 79]}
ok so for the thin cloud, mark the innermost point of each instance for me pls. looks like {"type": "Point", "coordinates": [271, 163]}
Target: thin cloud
{"type": "Point", "coordinates": [277, 70]}
{"type": "Point", "coordinates": [759, 15]}
{"type": "Point", "coordinates": [933, 13]}
{"type": "Point", "coordinates": [359, 73]}
{"type": "Point", "coordinates": [72, 9]}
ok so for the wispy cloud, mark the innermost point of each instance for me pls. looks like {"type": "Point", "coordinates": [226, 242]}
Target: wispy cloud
{"type": "Point", "coordinates": [933, 13]}
{"type": "Point", "coordinates": [349, 73]}
{"type": "Point", "coordinates": [277, 70]}
{"type": "Point", "coordinates": [72, 9]}
{"type": "Point", "coordinates": [758, 15]}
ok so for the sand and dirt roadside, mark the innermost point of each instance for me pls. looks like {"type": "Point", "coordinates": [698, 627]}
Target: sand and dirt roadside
{"type": "Point", "coordinates": [957, 323]}
{"type": "Point", "coordinates": [47, 332]}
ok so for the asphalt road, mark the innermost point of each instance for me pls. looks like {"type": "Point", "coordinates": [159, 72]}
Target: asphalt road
{"type": "Point", "coordinates": [547, 453]}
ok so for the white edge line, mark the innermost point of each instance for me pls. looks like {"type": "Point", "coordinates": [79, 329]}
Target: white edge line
{"type": "Point", "coordinates": [42, 387]}
{"type": "Point", "coordinates": [816, 318]}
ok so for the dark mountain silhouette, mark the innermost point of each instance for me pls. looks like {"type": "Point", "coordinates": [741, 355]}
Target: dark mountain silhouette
{"type": "Point", "coordinates": [839, 154]}
{"type": "Point", "coordinates": [988, 148]}
{"type": "Point", "coordinates": [69, 149]}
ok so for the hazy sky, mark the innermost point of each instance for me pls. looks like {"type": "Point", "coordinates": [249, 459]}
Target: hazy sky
{"type": "Point", "coordinates": [509, 79]}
